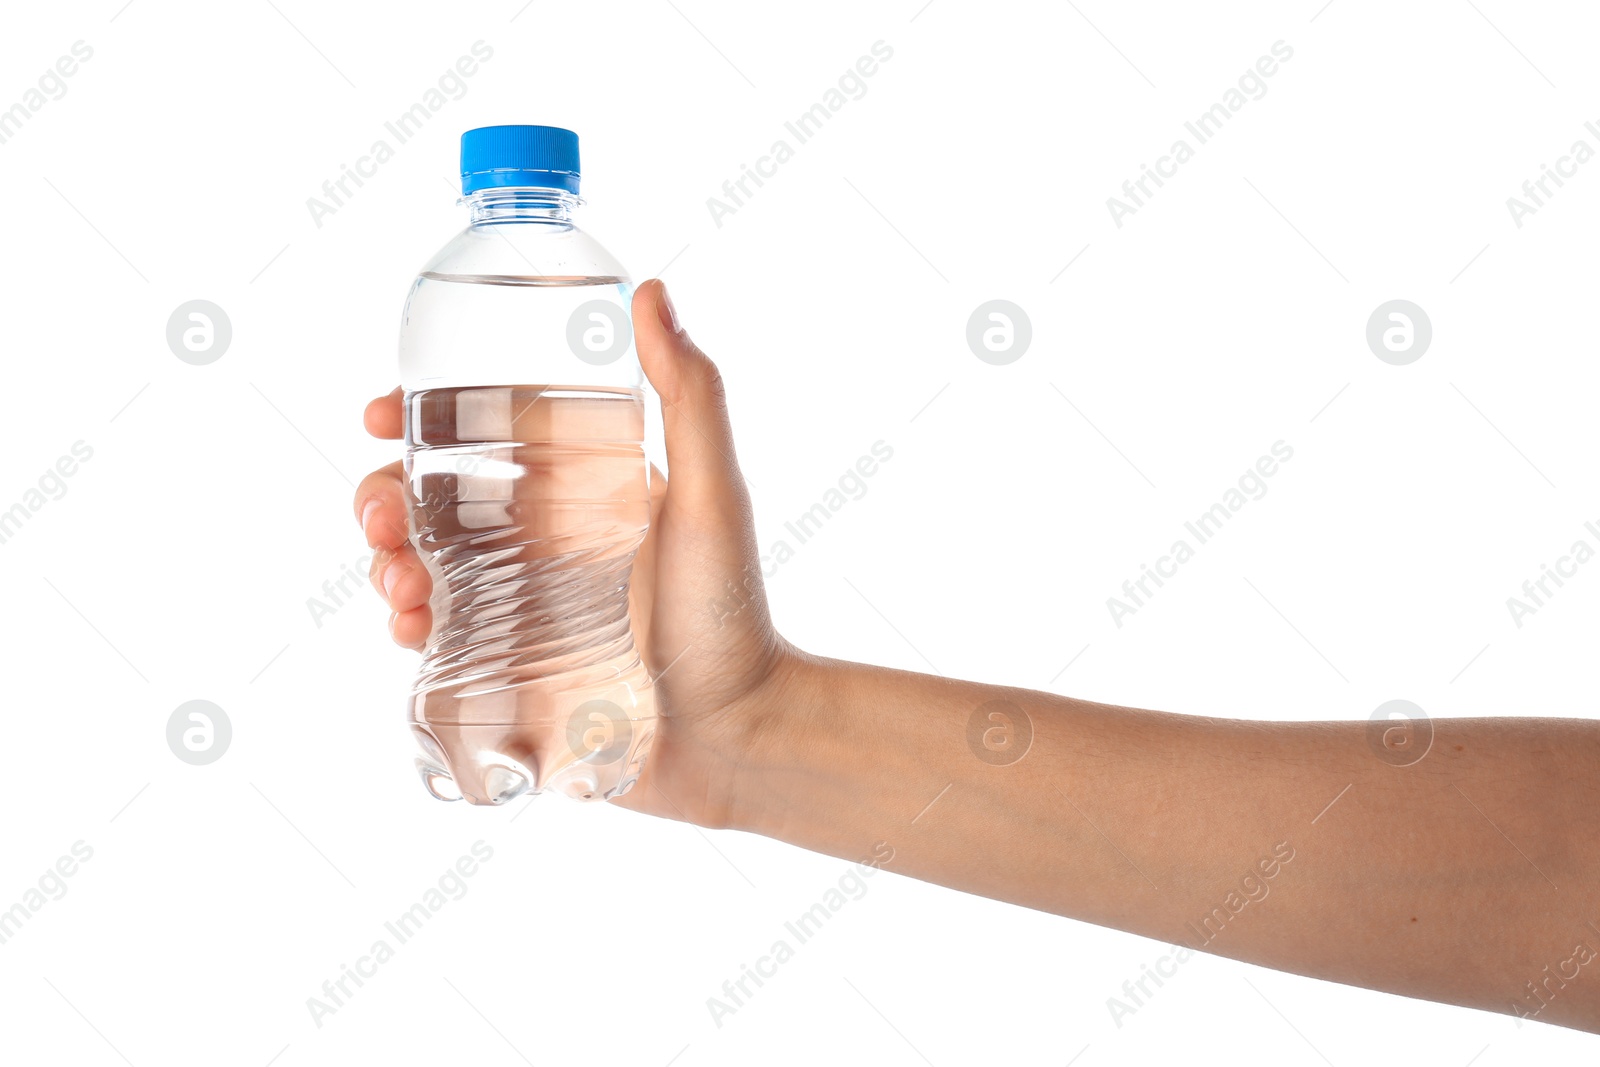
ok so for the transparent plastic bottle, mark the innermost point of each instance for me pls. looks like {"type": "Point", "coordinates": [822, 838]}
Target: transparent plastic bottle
{"type": "Point", "coordinates": [528, 488]}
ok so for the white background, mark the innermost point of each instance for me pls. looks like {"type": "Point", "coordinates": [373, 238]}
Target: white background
{"type": "Point", "coordinates": [1227, 314]}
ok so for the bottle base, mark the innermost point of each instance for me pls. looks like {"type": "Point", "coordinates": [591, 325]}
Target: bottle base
{"type": "Point", "coordinates": [594, 756]}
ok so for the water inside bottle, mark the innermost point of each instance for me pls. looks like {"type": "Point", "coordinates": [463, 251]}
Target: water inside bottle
{"type": "Point", "coordinates": [528, 503]}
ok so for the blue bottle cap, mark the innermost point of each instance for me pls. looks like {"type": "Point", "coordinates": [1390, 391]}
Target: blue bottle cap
{"type": "Point", "coordinates": [542, 157]}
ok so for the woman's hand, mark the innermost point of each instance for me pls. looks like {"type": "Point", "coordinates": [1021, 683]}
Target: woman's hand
{"type": "Point", "coordinates": [1171, 826]}
{"type": "Point", "coordinates": [698, 607]}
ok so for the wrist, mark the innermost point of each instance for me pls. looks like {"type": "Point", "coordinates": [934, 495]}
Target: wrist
{"type": "Point", "coordinates": [794, 742]}
{"type": "Point", "coordinates": [842, 758]}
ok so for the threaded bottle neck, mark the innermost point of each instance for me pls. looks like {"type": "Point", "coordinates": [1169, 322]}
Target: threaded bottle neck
{"type": "Point", "coordinates": [521, 204]}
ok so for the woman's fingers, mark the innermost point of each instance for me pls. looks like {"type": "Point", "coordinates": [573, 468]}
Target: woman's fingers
{"type": "Point", "coordinates": [400, 578]}
{"type": "Point", "coordinates": [380, 506]}
{"type": "Point", "coordinates": [410, 628]}
{"type": "Point", "coordinates": [383, 416]}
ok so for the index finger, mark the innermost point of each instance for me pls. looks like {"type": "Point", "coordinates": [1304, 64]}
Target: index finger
{"type": "Point", "coordinates": [383, 416]}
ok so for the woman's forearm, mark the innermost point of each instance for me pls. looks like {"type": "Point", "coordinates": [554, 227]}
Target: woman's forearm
{"type": "Point", "coordinates": [1469, 876]}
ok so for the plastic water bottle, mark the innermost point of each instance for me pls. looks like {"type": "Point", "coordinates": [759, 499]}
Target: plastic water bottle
{"type": "Point", "coordinates": [528, 488]}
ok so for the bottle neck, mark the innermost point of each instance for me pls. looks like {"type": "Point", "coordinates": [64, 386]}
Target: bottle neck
{"type": "Point", "coordinates": [518, 204]}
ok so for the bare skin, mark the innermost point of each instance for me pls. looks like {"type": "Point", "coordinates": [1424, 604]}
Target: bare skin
{"type": "Point", "coordinates": [1464, 870]}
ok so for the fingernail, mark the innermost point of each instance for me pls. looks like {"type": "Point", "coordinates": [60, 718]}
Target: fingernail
{"type": "Point", "coordinates": [391, 577]}
{"type": "Point", "coordinates": [667, 313]}
{"type": "Point", "coordinates": [367, 509]}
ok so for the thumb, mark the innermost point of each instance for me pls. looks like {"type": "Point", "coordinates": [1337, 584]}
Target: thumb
{"type": "Point", "coordinates": [694, 409]}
